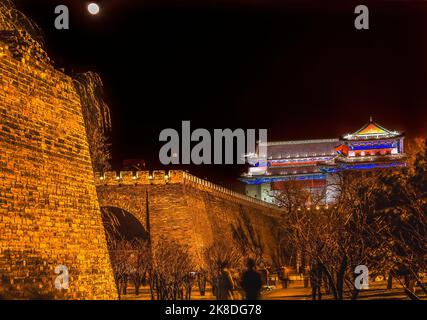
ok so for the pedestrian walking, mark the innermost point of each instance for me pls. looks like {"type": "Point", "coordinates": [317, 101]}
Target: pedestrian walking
{"type": "Point", "coordinates": [225, 285]}
{"type": "Point", "coordinates": [251, 282]}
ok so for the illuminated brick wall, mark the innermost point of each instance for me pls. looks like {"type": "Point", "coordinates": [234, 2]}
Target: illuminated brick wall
{"type": "Point", "coordinates": [49, 213]}
{"type": "Point", "coordinates": [189, 210]}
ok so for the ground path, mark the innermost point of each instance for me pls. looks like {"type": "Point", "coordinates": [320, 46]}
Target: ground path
{"type": "Point", "coordinates": [296, 291]}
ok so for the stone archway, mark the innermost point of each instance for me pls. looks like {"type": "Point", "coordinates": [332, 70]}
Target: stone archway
{"type": "Point", "coordinates": [131, 199]}
{"type": "Point", "coordinates": [128, 242]}
{"type": "Point", "coordinates": [120, 224]}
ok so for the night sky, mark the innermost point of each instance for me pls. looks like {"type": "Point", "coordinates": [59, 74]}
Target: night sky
{"type": "Point", "coordinates": [298, 68]}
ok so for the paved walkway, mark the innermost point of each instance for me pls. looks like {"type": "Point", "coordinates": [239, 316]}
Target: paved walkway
{"type": "Point", "coordinates": [377, 291]}
{"type": "Point", "coordinates": [296, 291]}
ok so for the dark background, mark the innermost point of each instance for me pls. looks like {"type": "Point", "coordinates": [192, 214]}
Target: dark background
{"type": "Point", "coordinates": [298, 68]}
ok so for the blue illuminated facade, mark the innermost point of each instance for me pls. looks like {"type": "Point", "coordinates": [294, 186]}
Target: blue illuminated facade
{"type": "Point", "coordinates": [313, 163]}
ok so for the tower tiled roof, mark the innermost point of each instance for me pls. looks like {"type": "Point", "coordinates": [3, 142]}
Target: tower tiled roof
{"type": "Point", "coordinates": [372, 130]}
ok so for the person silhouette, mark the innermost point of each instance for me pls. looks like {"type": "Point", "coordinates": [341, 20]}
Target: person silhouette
{"type": "Point", "coordinates": [251, 281]}
{"type": "Point", "coordinates": [225, 284]}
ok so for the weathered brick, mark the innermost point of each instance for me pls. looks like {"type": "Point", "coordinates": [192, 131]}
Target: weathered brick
{"type": "Point", "coordinates": [191, 211]}
{"type": "Point", "coordinates": [49, 212]}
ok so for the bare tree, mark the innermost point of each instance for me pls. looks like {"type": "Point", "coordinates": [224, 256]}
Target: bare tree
{"type": "Point", "coordinates": [111, 225]}
{"type": "Point", "coordinates": [123, 260]}
{"type": "Point", "coordinates": [336, 238]}
{"type": "Point", "coordinates": [378, 219]}
{"type": "Point", "coordinates": [97, 118]}
{"type": "Point", "coordinates": [222, 254]}
{"type": "Point", "coordinates": [170, 271]}
{"type": "Point", "coordinates": [405, 197]}
{"type": "Point", "coordinates": [143, 263]}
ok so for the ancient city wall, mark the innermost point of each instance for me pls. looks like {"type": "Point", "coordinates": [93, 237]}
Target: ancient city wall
{"type": "Point", "coordinates": [49, 212]}
{"type": "Point", "coordinates": [190, 210]}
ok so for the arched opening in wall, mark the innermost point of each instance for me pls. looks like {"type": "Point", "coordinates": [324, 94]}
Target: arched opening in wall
{"type": "Point", "coordinates": [120, 224]}
{"type": "Point", "coordinates": [129, 249]}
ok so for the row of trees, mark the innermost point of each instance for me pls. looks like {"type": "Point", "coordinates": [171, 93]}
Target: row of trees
{"type": "Point", "coordinates": [166, 267]}
{"type": "Point", "coordinates": [377, 219]}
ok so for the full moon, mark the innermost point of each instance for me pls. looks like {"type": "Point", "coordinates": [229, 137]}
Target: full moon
{"type": "Point", "coordinates": [93, 8]}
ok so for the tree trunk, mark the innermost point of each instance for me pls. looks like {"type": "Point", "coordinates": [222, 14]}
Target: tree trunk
{"type": "Point", "coordinates": [137, 285]}
{"type": "Point", "coordinates": [327, 284]}
{"type": "Point", "coordinates": [331, 283]}
{"type": "Point", "coordinates": [355, 294]}
{"type": "Point", "coordinates": [152, 286]}
{"type": "Point", "coordinates": [201, 280]}
{"type": "Point", "coordinates": [419, 281]}
{"type": "Point", "coordinates": [390, 281]}
{"type": "Point", "coordinates": [406, 287]}
{"type": "Point", "coordinates": [340, 278]}
{"type": "Point", "coordinates": [411, 294]}
{"type": "Point", "coordinates": [125, 284]}
{"type": "Point", "coordinates": [319, 279]}
{"type": "Point", "coordinates": [119, 289]}
{"type": "Point", "coordinates": [340, 286]}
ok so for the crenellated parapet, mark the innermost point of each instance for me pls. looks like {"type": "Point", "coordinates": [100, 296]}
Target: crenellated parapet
{"type": "Point", "coordinates": [138, 177]}
{"type": "Point", "coordinates": [190, 211]}
{"type": "Point", "coordinates": [161, 177]}
{"type": "Point", "coordinates": [23, 47]}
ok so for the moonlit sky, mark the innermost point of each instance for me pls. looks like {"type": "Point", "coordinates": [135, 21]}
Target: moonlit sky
{"type": "Point", "coordinates": [93, 8]}
{"type": "Point", "coordinates": [297, 68]}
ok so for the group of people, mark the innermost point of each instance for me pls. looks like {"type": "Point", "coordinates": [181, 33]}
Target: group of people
{"type": "Point", "coordinates": [225, 287]}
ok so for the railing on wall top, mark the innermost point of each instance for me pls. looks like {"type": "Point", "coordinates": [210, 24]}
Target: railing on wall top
{"type": "Point", "coordinates": [160, 177]}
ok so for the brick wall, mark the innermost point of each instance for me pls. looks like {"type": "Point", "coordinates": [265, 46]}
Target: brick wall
{"type": "Point", "coordinates": [190, 210]}
{"type": "Point", "coordinates": [49, 213]}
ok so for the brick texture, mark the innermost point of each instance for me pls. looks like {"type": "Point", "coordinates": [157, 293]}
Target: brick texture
{"type": "Point", "coordinates": [49, 213]}
{"type": "Point", "coordinates": [190, 211]}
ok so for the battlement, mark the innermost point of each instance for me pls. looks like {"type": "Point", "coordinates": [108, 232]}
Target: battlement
{"type": "Point", "coordinates": [23, 47]}
{"type": "Point", "coordinates": [160, 177]}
